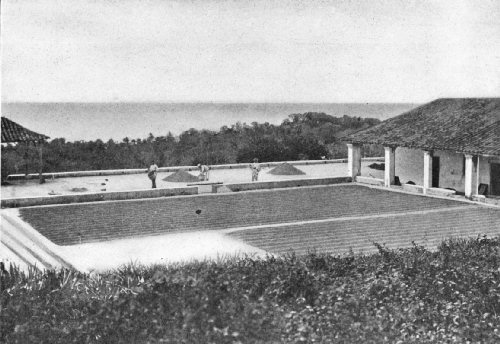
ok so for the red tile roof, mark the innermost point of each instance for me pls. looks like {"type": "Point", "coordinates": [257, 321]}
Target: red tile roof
{"type": "Point", "coordinates": [468, 125]}
{"type": "Point", "coordinates": [13, 132]}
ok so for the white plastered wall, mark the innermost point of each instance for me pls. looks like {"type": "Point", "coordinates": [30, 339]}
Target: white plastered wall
{"type": "Point", "coordinates": [410, 166]}
{"type": "Point", "coordinates": [451, 170]}
{"type": "Point", "coordinates": [485, 170]}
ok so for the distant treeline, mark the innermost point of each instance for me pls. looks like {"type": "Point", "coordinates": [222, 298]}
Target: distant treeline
{"type": "Point", "coordinates": [300, 136]}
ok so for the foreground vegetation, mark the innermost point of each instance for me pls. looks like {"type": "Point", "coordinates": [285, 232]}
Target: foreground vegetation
{"type": "Point", "coordinates": [396, 296]}
{"type": "Point", "coordinates": [300, 136]}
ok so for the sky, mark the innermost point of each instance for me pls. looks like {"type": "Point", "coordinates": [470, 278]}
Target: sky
{"type": "Point", "coordinates": [249, 51]}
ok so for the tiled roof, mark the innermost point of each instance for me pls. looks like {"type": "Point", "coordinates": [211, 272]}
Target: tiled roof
{"type": "Point", "coordinates": [13, 132]}
{"type": "Point", "coordinates": [469, 125]}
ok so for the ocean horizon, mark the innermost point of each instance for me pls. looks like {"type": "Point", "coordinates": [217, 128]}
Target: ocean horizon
{"type": "Point", "coordinates": [104, 121]}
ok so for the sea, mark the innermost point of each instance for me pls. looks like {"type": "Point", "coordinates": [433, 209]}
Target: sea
{"type": "Point", "coordinates": [104, 121]}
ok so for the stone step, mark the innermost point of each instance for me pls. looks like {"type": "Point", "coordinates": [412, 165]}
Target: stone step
{"type": "Point", "coordinates": [25, 251]}
{"type": "Point", "coordinates": [29, 246]}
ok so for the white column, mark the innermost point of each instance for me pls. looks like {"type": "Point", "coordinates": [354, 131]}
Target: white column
{"type": "Point", "coordinates": [390, 166]}
{"type": "Point", "coordinates": [477, 175]}
{"type": "Point", "coordinates": [353, 160]}
{"type": "Point", "coordinates": [469, 172]}
{"type": "Point", "coordinates": [427, 170]}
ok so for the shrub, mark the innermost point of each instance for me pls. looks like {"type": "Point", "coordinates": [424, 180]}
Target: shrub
{"type": "Point", "coordinates": [410, 295]}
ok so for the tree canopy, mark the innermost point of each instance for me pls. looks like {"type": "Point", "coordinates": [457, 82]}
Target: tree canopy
{"type": "Point", "coordinates": [309, 135]}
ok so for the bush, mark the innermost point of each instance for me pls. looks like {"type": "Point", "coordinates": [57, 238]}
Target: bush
{"type": "Point", "coordinates": [397, 296]}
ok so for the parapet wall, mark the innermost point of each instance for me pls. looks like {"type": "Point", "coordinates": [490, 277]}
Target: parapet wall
{"type": "Point", "coordinates": [279, 184]}
{"type": "Point", "coordinates": [172, 169]}
{"type": "Point", "coordinates": [94, 197]}
{"type": "Point", "coordinates": [154, 193]}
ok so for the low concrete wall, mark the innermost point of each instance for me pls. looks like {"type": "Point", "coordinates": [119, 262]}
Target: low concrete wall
{"type": "Point", "coordinates": [370, 180]}
{"type": "Point", "coordinates": [479, 198]}
{"type": "Point", "coordinates": [440, 192]}
{"type": "Point", "coordinates": [278, 184]}
{"type": "Point", "coordinates": [430, 191]}
{"type": "Point", "coordinates": [77, 174]}
{"type": "Point", "coordinates": [413, 188]}
{"type": "Point", "coordinates": [93, 197]}
{"type": "Point", "coordinates": [173, 169]}
{"type": "Point", "coordinates": [206, 187]}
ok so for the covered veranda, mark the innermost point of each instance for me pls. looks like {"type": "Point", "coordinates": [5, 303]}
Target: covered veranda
{"type": "Point", "coordinates": [13, 132]}
{"type": "Point", "coordinates": [474, 166]}
{"type": "Point", "coordinates": [446, 146]}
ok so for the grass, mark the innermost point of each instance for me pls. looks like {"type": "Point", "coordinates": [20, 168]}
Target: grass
{"type": "Point", "coordinates": [395, 296]}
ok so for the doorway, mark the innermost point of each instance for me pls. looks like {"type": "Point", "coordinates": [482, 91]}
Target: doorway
{"type": "Point", "coordinates": [495, 179]}
{"type": "Point", "coordinates": [435, 172]}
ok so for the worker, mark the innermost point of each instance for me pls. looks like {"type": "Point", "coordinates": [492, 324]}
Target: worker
{"type": "Point", "coordinates": [152, 172]}
{"type": "Point", "coordinates": [255, 167]}
{"type": "Point", "coordinates": [203, 172]}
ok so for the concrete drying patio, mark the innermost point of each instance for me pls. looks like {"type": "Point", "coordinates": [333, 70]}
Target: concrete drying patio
{"type": "Point", "coordinates": [335, 219]}
{"type": "Point", "coordinates": [139, 181]}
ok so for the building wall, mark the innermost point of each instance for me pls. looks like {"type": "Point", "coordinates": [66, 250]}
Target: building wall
{"type": "Point", "coordinates": [451, 170]}
{"type": "Point", "coordinates": [484, 171]}
{"type": "Point", "coordinates": [410, 166]}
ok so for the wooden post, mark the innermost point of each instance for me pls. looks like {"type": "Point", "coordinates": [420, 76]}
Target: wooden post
{"type": "Point", "coordinates": [40, 149]}
{"type": "Point", "coordinates": [26, 159]}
